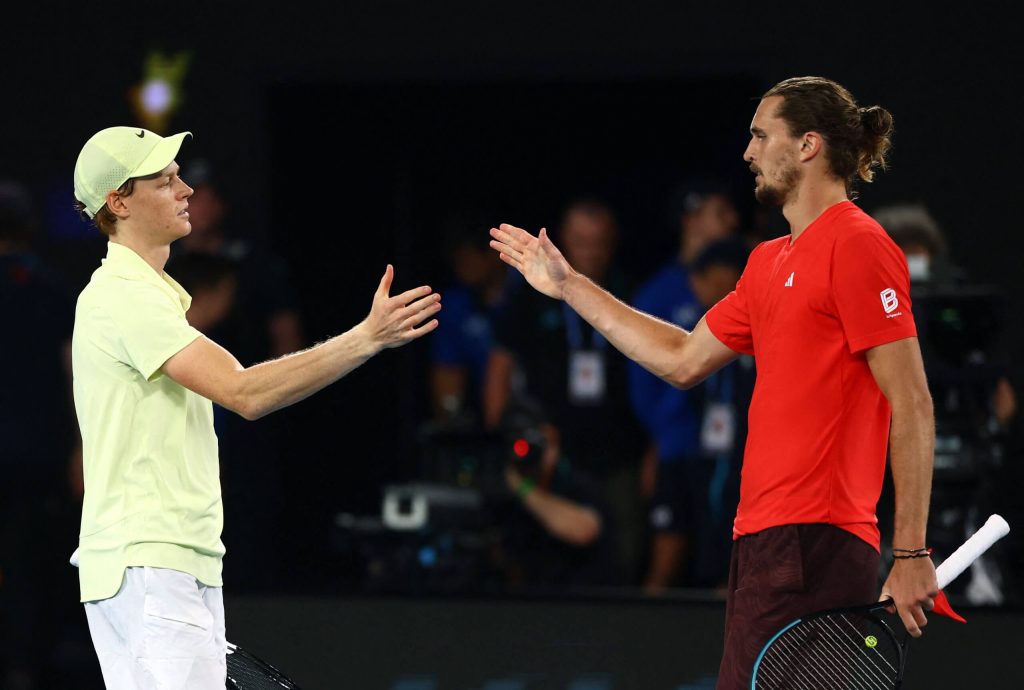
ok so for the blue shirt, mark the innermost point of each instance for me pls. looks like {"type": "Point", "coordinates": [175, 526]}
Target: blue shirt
{"type": "Point", "coordinates": [35, 412]}
{"type": "Point", "coordinates": [667, 413]}
{"type": "Point", "coordinates": [464, 336]}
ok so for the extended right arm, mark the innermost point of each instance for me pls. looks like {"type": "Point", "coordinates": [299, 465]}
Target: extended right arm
{"type": "Point", "coordinates": [211, 371]}
{"type": "Point", "coordinates": [681, 358]}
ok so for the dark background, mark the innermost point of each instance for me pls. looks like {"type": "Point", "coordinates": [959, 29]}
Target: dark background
{"type": "Point", "coordinates": [346, 131]}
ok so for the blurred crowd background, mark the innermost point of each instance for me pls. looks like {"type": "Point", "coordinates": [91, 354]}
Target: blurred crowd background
{"type": "Point", "coordinates": [512, 451]}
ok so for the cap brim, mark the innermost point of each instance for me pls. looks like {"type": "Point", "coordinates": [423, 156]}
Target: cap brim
{"type": "Point", "coordinates": [161, 156]}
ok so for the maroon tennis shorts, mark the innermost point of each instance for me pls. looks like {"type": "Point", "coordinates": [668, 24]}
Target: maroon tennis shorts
{"type": "Point", "coordinates": [783, 573]}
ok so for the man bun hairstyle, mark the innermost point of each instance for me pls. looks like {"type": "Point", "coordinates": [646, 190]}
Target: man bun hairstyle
{"type": "Point", "coordinates": [858, 138]}
{"type": "Point", "coordinates": [878, 126]}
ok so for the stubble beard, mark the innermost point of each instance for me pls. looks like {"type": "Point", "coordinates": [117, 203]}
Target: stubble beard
{"type": "Point", "coordinates": [778, 194]}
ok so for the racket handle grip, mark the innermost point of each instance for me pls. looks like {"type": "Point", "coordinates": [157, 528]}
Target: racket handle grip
{"type": "Point", "coordinates": [994, 529]}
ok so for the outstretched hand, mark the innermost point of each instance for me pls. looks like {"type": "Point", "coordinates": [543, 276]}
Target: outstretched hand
{"type": "Point", "coordinates": [395, 321]}
{"type": "Point", "coordinates": [536, 258]}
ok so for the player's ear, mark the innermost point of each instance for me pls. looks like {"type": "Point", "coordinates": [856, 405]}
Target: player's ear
{"type": "Point", "coordinates": [117, 206]}
{"type": "Point", "coordinates": [811, 144]}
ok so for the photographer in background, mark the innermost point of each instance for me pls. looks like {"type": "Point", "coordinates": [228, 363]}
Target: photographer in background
{"type": "Point", "coordinates": [556, 530]}
{"type": "Point", "coordinates": [961, 329]}
{"type": "Point", "coordinates": [919, 235]}
{"type": "Point", "coordinates": [544, 351]}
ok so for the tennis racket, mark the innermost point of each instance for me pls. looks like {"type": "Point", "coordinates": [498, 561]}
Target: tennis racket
{"type": "Point", "coordinates": [246, 672]}
{"type": "Point", "coordinates": [853, 648]}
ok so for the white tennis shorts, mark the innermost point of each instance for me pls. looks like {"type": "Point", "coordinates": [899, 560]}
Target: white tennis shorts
{"type": "Point", "coordinates": [163, 630]}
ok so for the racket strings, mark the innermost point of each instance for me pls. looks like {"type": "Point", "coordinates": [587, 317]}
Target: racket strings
{"type": "Point", "coordinates": [872, 654]}
{"type": "Point", "coordinates": [852, 656]}
{"type": "Point", "coordinates": [246, 672]}
{"type": "Point", "coordinates": [835, 651]}
{"type": "Point", "coordinates": [816, 668]}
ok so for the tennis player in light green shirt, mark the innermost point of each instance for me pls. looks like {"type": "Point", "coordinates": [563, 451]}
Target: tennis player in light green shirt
{"type": "Point", "coordinates": [149, 552]}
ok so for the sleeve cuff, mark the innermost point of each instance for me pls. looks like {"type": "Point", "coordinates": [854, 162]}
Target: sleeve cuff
{"type": "Point", "coordinates": [152, 367]}
{"type": "Point", "coordinates": [737, 345]}
{"type": "Point", "coordinates": [889, 335]}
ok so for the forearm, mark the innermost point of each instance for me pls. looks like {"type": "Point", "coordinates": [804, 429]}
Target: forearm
{"type": "Point", "coordinates": [266, 387]}
{"type": "Point", "coordinates": [650, 342]}
{"type": "Point", "coordinates": [206, 368]}
{"type": "Point", "coordinates": [563, 519]}
{"type": "Point", "coordinates": [912, 449]}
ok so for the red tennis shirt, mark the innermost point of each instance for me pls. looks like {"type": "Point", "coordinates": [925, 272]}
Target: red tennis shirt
{"type": "Point", "coordinates": [818, 422]}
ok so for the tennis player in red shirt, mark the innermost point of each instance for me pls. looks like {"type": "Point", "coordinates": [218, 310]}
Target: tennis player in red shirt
{"type": "Point", "coordinates": [826, 313]}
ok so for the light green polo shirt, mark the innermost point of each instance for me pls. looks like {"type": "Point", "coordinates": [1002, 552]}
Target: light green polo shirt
{"type": "Point", "coordinates": [152, 477]}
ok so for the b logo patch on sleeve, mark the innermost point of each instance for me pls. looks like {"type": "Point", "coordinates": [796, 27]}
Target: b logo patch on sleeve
{"type": "Point", "coordinates": [889, 300]}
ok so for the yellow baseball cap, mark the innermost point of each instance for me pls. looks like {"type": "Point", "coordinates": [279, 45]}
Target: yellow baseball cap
{"type": "Point", "coordinates": [114, 155]}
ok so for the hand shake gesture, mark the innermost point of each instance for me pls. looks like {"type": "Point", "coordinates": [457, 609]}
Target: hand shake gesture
{"type": "Point", "coordinates": [394, 321]}
{"type": "Point", "coordinates": [536, 258]}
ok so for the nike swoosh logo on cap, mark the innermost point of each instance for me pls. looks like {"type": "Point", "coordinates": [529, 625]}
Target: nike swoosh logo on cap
{"type": "Point", "coordinates": [141, 133]}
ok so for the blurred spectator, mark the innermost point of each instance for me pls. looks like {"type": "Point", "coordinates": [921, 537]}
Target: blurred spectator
{"type": "Point", "coordinates": [705, 213]}
{"type": "Point", "coordinates": [723, 400]}
{"type": "Point", "coordinates": [245, 302]}
{"type": "Point", "coordinates": [265, 320]}
{"type": "Point", "coordinates": [916, 232]}
{"type": "Point", "coordinates": [212, 281]}
{"type": "Point", "coordinates": [557, 531]}
{"type": "Point", "coordinates": [961, 330]}
{"type": "Point", "coordinates": [577, 377]}
{"type": "Point", "coordinates": [462, 342]}
{"type": "Point", "coordinates": [40, 452]}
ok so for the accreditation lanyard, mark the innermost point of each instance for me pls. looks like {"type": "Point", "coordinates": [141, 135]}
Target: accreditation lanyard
{"type": "Point", "coordinates": [718, 429]}
{"type": "Point", "coordinates": [718, 434]}
{"type": "Point", "coordinates": [587, 374]}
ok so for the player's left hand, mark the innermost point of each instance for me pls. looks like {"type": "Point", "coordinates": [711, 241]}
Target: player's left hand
{"type": "Point", "coordinates": [912, 587]}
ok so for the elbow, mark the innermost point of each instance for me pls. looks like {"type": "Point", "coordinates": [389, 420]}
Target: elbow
{"type": "Point", "coordinates": [586, 532]}
{"type": "Point", "coordinates": [916, 404]}
{"type": "Point", "coordinates": [245, 399]}
{"type": "Point", "coordinates": [920, 399]}
{"type": "Point", "coordinates": [252, 410]}
{"type": "Point", "coordinates": [249, 413]}
{"type": "Point", "coordinates": [689, 367]}
{"type": "Point", "coordinates": [684, 384]}
{"type": "Point", "coordinates": [247, 407]}
{"type": "Point", "coordinates": [684, 377]}
{"type": "Point", "coordinates": [927, 406]}
{"type": "Point", "coordinates": [589, 535]}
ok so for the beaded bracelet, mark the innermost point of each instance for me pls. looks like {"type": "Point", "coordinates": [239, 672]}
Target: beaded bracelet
{"type": "Point", "coordinates": [911, 553]}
